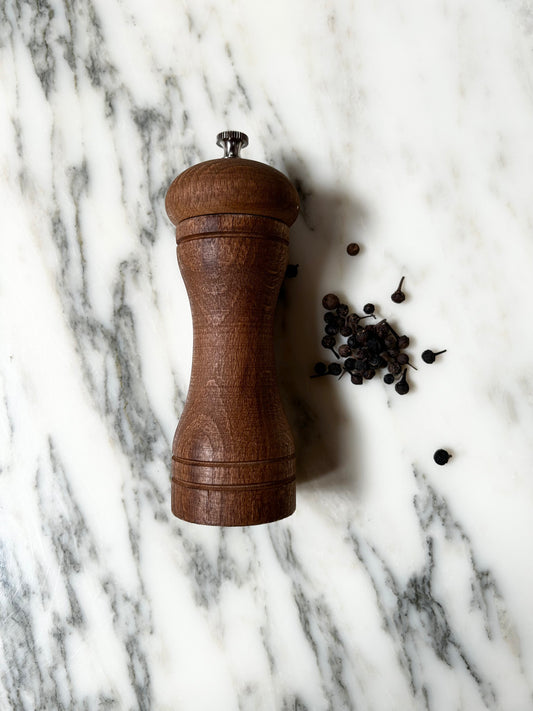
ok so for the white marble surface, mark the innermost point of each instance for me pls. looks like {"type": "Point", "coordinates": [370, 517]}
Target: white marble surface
{"type": "Point", "coordinates": [397, 584]}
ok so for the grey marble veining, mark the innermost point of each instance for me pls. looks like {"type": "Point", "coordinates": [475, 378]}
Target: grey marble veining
{"type": "Point", "coordinates": [397, 584]}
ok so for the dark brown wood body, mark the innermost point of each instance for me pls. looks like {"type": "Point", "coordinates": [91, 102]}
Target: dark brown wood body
{"type": "Point", "coordinates": [233, 452]}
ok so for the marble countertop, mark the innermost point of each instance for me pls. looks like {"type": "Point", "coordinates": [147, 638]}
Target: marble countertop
{"type": "Point", "coordinates": [397, 584]}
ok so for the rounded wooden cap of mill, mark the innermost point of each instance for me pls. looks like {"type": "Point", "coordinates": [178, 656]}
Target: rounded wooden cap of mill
{"type": "Point", "coordinates": [232, 185]}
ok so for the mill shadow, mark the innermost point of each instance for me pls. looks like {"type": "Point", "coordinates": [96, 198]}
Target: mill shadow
{"type": "Point", "coordinates": [324, 431]}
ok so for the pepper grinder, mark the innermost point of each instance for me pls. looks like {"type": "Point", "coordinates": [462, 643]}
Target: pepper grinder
{"type": "Point", "coordinates": [233, 457]}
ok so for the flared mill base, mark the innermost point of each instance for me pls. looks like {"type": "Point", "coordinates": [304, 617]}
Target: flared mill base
{"type": "Point", "coordinates": [259, 500]}
{"type": "Point", "coordinates": [233, 461]}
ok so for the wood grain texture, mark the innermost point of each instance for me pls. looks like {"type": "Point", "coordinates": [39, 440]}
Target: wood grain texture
{"type": "Point", "coordinates": [232, 185]}
{"type": "Point", "coordinates": [233, 451]}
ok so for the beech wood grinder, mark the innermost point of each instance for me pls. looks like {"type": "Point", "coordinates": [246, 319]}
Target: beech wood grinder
{"type": "Point", "coordinates": [233, 458]}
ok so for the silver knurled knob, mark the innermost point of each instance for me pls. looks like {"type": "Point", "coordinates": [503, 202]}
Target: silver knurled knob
{"type": "Point", "coordinates": [232, 142]}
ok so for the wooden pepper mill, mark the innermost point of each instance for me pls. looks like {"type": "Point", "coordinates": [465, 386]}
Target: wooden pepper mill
{"type": "Point", "coordinates": [233, 451]}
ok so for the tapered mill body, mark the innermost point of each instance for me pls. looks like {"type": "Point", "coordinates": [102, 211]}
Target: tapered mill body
{"type": "Point", "coordinates": [233, 458]}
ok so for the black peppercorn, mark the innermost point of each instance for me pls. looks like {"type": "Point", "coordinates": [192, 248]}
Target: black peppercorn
{"type": "Point", "coordinates": [394, 368]}
{"type": "Point", "coordinates": [356, 378]}
{"type": "Point", "coordinates": [403, 342]}
{"type": "Point", "coordinates": [441, 456]}
{"type": "Point", "coordinates": [342, 310]}
{"type": "Point", "coordinates": [429, 356]}
{"type": "Point", "coordinates": [334, 369]}
{"type": "Point", "coordinates": [349, 364]}
{"type": "Point", "coordinates": [353, 320]}
{"type": "Point", "coordinates": [329, 342]}
{"type": "Point", "coordinates": [352, 249]}
{"type": "Point", "coordinates": [398, 296]}
{"type": "Point", "coordinates": [331, 329]}
{"type": "Point", "coordinates": [382, 328]}
{"type": "Point", "coordinates": [345, 331]}
{"type": "Point", "coordinates": [402, 386]}
{"type": "Point", "coordinates": [345, 350]}
{"type": "Point", "coordinates": [360, 334]}
{"type": "Point", "coordinates": [330, 302]}
{"type": "Point", "coordinates": [369, 308]}
{"type": "Point", "coordinates": [389, 378]}
{"type": "Point", "coordinates": [320, 369]}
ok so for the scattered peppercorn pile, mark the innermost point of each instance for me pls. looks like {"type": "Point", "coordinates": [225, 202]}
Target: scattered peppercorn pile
{"type": "Point", "coordinates": [369, 347]}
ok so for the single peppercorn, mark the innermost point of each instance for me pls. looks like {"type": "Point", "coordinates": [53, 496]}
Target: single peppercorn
{"type": "Point", "coordinates": [360, 334]}
{"type": "Point", "coordinates": [349, 363]}
{"type": "Point", "coordinates": [353, 249]}
{"type": "Point", "coordinates": [330, 317]}
{"type": "Point", "coordinates": [441, 456]}
{"type": "Point", "coordinates": [329, 342]}
{"type": "Point", "coordinates": [334, 369]}
{"type": "Point", "coordinates": [394, 368]}
{"type": "Point", "coordinates": [402, 386]}
{"type": "Point", "coordinates": [320, 369]}
{"type": "Point", "coordinates": [291, 271]}
{"type": "Point", "coordinates": [398, 296]}
{"type": "Point", "coordinates": [352, 320]}
{"type": "Point", "coordinates": [382, 328]}
{"type": "Point", "coordinates": [403, 342]}
{"type": "Point", "coordinates": [345, 350]}
{"type": "Point", "coordinates": [402, 358]}
{"type": "Point", "coordinates": [369, 373]}
{"type": "Point", "coordinates": [429, 356]}
{"type": "Point", "coordinates": [352, 341]}
{"type": "Point", "coordinates": [342, 310]}
{"type": "Point", "coordinates": [330, 302]}
{"type": "Point", "coordinates": [389, 378]}
{"type": "Point", "coordinates": [331, 330]}
{"type": "Point", "coordinates": [356, 378]}
{"type": "Point", "coordinates": [345, 331]}
{"type": "Point", "coordinates": [369, 308]}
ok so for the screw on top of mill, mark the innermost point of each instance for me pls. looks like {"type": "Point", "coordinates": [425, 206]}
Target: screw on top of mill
{"type": "Point", "coordinates": [232, 142]}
